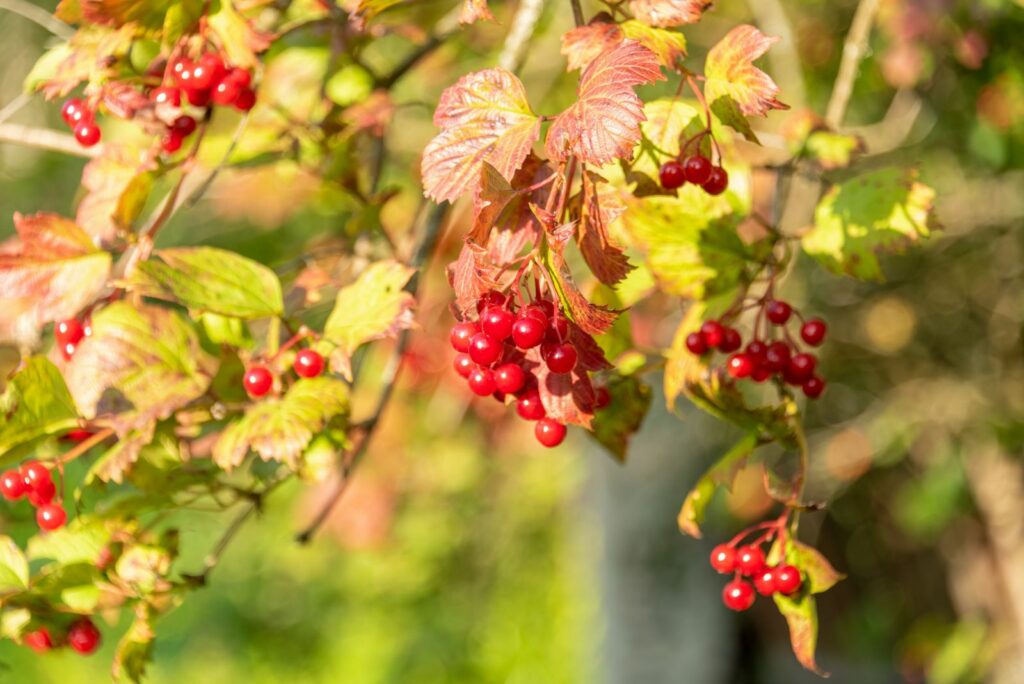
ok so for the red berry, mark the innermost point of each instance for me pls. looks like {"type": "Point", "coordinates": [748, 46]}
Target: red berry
{"type": "Point", "coordinates": [35, 474]}
{"type": "Point", "coordinates": [184, 126]}
{"type": "Point", "coordinates": [528, 331]}
{"type": "Point", "coordinates": [83, 636]}
{"type": "Point", "coordinates": [672, 175]}
{"type": "Point", "coordinates": [549, 432]}
{"type": "Point", "coordinates": [529, 406]}
{"type": "Point", "coordinates": [12, 485]}
{"type": "Point", "coordinates": [484, 349]}
{"type": "Point", "coordinates": [463, 364]}
{"type": "Point", "coordinates": [240, 76]}
{"type": "Point", "coordinates": [813, 332]}
{"type": "Point", "coordinates": [698, 169]}
{"type": "Point", "coordinates": [461, 334]}
{"type": "Point", "coordinates": [723, 559]}
{"type": "Point", "coordinates": [712, 332]}
{"type": "Point", "coordinates": [182, 71]}
{"type": "Point", "coordinates": [481, 381]}
{"type": "Point", "coordinates": [258, 381]}
{"type": "Point", "coordinates": [535, 311]}
{"type": "Point", "coordinates": [778, 311]}
{"type": "Point", "coordinates": [756, 350]}
{"type": "Point", "coordinates": [497, 322]}
{"type": "Point", "coordinates": [50, 517]}
{"type": "Point", "coordinates": [509, 378]}
{"type": "Point", "coordinates": [67, 351]}
{"type": "Point", "coordinates": [801, 367]}
{"type": "Point", "coordinates": [761, 373]}
{"type": "Point", "coordinates": [42, 493]}
{"type": "Point", "coordinates": [560, 358]}
{"type": "Point", "coordinates": [602, 398]}
{"type": "Point", "coordinates": [69, 331]}
{"type": "Point", "coordinates": [200, 77]}
{"type": "Point", "coordinates": [246, 100]}
{"type": "Point", "coordinates": [170, 96]}
{"type": "Point", "coordinates": [87, 133]}
{"type": "Point", "coordinates": [225, 92]}
{"type": "Point", "coordinates": [764, 582]}
{"type": "Point", "coordinates": [73, 110]}
{"type": "Point", "coordinates": [814, 387]}
{"type": "Point", "coordinates": [731, 340]}
{"type": "Point", "coordinates": [214, 66]}
{"type": "Point", "coordinates": [558, 329]}
{"type": "Point", "coordinates": [740, 366]}
{"type": "Point", "coordinates": [171, 142]}
{"type": "Point", "coordinates": [738, 595]}
{"type": "Point", "coordinates": [776, 358]}
{"type": "Point", "coordinates": [198, 98]}
{"type": "Point", "coordinates": [696, 344]}
{"type": "Point", "coordinates": [787, 579]}
{"type": "Point", "coordinates": [39, 640]}
{"type": "Point", "coordinates": [308, 363]}
{"type": "Point", "coordinates": [749, 560]}
{"type": "Point", "coordinates": [717, 182]}
{"type": "Point", "coordinates": [489, 299]}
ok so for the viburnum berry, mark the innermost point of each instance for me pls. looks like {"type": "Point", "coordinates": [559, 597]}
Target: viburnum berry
{"type": "Point", "coordinates": [776, 357]}
{"type": "Point", "coordinates": [749, 560]}
{"type": "Point", "coordinates": [240, 76]}
{"type": "Point", "coordinates": [602, 398]}
{"type": "Point", "coordinates": [214, 66]}
{"type": "Point", "coordinates": [740, 366]}
{"type": "Point", "coordinates": [723, 559]}
{"type": "Point", "coordinates": [171, 142]}
{"type": "Point", "coordinates": [184, 126]}
{"type": "Point", "coordinates": [258, 381]}
{"type": "Point", "coordinates": [225, 91]}
{"type": "Point", "coordinates": [73, 110]}
{"type": "Point", "coordinates": [463, 364]}
{"type": "Point", "coordinates": [738, 595]}
{"type": "Point", "coordinates": [814, 387]}
{"type": "Point", "coordinates": [560, 358]}
{"type": "Point", "coordinates": [42, 493]}
{"type": "Point", "coordinates": [712, 332]}
{"type": "Point", "coordinates": [717, 181]}
{"type": "Point", "coordinates": [50, 517]}
{"type": "Point", "coordinates": [764, 582]}
{"type": "Point", "coordinates": [461, 334]}
{"type": "Point", "coordinates": [529, 406]}
{"type": "Point", "coordinates": [509, 378]}
{"type": "Point", "coordinates": [67, 350]}
{"type": "Point", "coordinates": [39, 640]}
{"type": "Point", "coordinates": [695, 343]}
{"type": "Point", "coordinates": [813, 331]}
{"type": "Point", "coordinates": [489, 299]}
{"type": "Point", "coordinates": [698, 169]}
{"type": "Point", "coordinates": [170, 96]}
{"type": "Point", "coordinates": [672, 175]}
{"type": "Point", "coordinates": [308, 363]}
{"type": "Point", "coordinates": [245, 100]}
{"type": "Point", "coordinates": [778, 311]}
{"type": "Point", "coordinates": [528, 331]}
{"type": "Point", "coordinates": [558, 329]}
{"type": "Point", "coordinates": [484, 349]}
{"type": "Point", "coordinates": [83, 636]}
{"type": "Point", "coordinates": [549, 432]}
{"type": "Point", "coordinates": [801, 367]}
{"type": "Point", "coordinates": [536, 312]}
{"type": "Point", "coordinates": [497, 322]}
{"type": "Point", "coordinates": [87, 133]}
{"type": "Point", "coordinates": [756, 349]}
{"type": "Point", "coordinates": [787, 579]}
{"type": "Point", "coordinates": [481, 381]}
{"type": "Point", "coordinates": [761, 372]}
{"type": "Point", "coordinates": [35, 475]}
{"type": "Point", "coordinates": [12, 485]}
{"type": "Point", "coordinates": [731, 340]}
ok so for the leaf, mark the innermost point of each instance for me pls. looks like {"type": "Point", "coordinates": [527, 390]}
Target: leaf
{"type": "Point", "coordinates": [667, 122]}
{"type": "Point", "coordinates": [90, 55]}
{"type": "Point", "coordinates": [473, 11]}
{"type": "Point", "coordinates": [207, 279]}
{"type": "Point", "coordinates": [139, 365]}
{"type": "Point", "coordinates": [606, 259]}
{"type": "Point", "coordinates": [470, 275]}
{"type": "Point", "coordinates": [614, 425]}
{"type": "Point", "coordinates": [147, 13]}
{"type": "Point", "coordinates": [591, 318]}
{"type": "Point", "coordinates": [721, 474]}
{"type": "Point", "coordinates": [144, 568]}
{"type": "Point", "coordinates": [484, 117]}
{"type": "Point", "coordinates": [80, 542]}
{"type": "Point", "coordinates": [51, 271]}
{"type": "Point", "coordinates": [583, 44]}
{"type": "Point", "coordinates": [666, 13]}
{"type": "Point", "coordinates": [503, 220]}
{"type": "Point", "coordinates": [882, 211]}
{"type": "Point", "coordinates": [730, 73]}
{"type": "Point", "coordinates": [604, 123]}
{"type": "Point", "coordinates": [118, 460]}
{"type": "Point", "coordinates": [818, 573]}
{"type": "Point", "coordinates": [833, 150]}
{"type": "Point", "coordinates": [669, 46]}
{"type": "Point", "coordinates": [13, 566]}
{"type": "Point", "coordinates": [135, 649]}
{"type": "Point", "coordinates": [117, 187]}
{"type": "Point", "coordinates": [567, 397]}
{"type": "Point", "coordinates": [802, 617]}
{"type": "Point", "coordinates": [281, 429]}
{"type": "Point", "coordinates": [374, 307]}
{"type": "Point", "coordinates": [240, 40]}
{"type": "Point", "coordinates": [35, 403]}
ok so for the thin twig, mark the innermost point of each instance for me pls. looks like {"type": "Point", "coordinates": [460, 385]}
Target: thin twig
{"type": "Point", "coordinates": [38, 16]}
{"type": "Point", "coordinates": [577, 12]}
{"type": "Point", "coordinates": [14, 106]}
{"type": "Point", "coordinates": [45, 139]}
{"type": "Point", "coordinates": [854, 49]}
{"type": "Point", "coordinates": [513, 52]}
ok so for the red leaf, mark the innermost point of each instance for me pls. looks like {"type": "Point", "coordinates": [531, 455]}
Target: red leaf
{"type": "Point", "coordinates": [584, 44]}
{"type": "Point", "coordinates": [471, 275]}
{"type": "Point", "coordinates": [484, 117]}
{"type": "Point", "coordinates": [473, 11]}
{"type": "Point", "coordinates": [590, 355]}
{"type": "Point", "coordinates": [503, 220]}
{"type": "Point", "coordinates": [665, 13]}
{"type": "Point", "coordinates": [117, 187]}
{"type": "Point", "coordinates": [591, 318]}
{"type": "Point", "coordinates": [606, 260]}
{"type": "Point", "coordinates": [730, 72]}
{"type": "Point", "coordinates": [567, 397]}
{"type": "Point", "coordinates": [604, 123]}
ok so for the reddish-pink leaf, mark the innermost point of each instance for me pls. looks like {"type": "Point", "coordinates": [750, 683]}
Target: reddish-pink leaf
{"type": "Point", "coordinates": [117, 186]}
{"type": "Point", "coordinates": [484, 117]}
{"type": "Point", "coordinates": [567, 397]}
{"type": "Point", "coordinates": [473, 11]}
{"type": "Point", "coordinates": [604, 123]}
{"type": "Point", "coordinates": [730, 73]}
{"type": "Point", "coordinates": [606, 260]}
{"type": "Point", "coordinates": [471, 275]}
{"type": "Point", "coordinates": [665, 13]}
{"type": "Point", "coordinates": [582, 45]}
{"type": "Point", "coordinates": [503, 220]}
{"type": "Point", "coordinates": [591, 318]}
{"type": "Point", "coordinates": [590, 355]}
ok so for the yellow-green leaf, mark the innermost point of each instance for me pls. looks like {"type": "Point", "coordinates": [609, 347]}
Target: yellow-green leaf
{"type": "Point", "coordinates": [721, 474]}
{"type": "Point", "coordinates": [36, 402]}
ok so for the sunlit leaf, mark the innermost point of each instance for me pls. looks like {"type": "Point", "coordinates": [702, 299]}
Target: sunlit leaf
{"type": "Point", "coordinates": [241, 41]}
{"type": "Point", "coordinates": [80, 542]}
{"type": "Point", "coordinates": [147, 13]}
{"type": "Point", "coordinates": [819, 575]}
{"type": "Point", "coordinates": [599, 210]}
{"type": "Point", "coordinates": [135, 649]}
{"type": "Point", "coordinates": [669, 46]}
{"type": "Point", "coordinates": [721, 474]}
{"type": "Point", "coordinates": [118, 459]}
{"type": "Point", "coordinates": [13, 566]}
{"type": "Point", "coordinates": [36, 402]}
{"type": "Point", "coordinates": [668, 12]}
{"type": "Point", "coordinates": [583, 44]}
{"type": "Point", "coordinates": [117, 187]}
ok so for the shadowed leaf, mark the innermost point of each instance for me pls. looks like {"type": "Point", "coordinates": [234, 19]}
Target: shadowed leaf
{"type": "Point", "coordinates": [117, 189]}
{"type": "Point", "coordinates": [36, 402]}
{"type": "Point", "coordinates": [721, 474]}
{"type": "Point", "coordinates": [606, 259]}
{"type": "Point", "coordinates": [615, 424]}
{"type": "Point", "coordinates": [802, 617]}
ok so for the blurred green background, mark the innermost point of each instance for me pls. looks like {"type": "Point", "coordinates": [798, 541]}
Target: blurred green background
{"type": "Point", "coordinates": [463, 553]}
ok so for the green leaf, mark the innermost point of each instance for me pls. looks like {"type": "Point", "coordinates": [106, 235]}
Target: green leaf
{"type": "Point", "coordinates": [882, 211]}
{"type": "Point", "coordinates": [818, 573]}
{"type": "Point", "coordinates": [802, 617]}
{"type": "Point", "coordinates": [180, 19]}
{"type": "Point", "coordinates": [833, 150]}
{"type": "Point", "coordinates": [35, 403]}
{"type": "Point", "coordinates": [226, 330]}
{"type": "Point", "coordinates": [45, 68]}
{"type": "Point", "coordinates": [728, 112]}
{"type": "Point", "coordinates": [348, 85]}
{"type": "Point", "coordinates": [669, 46]}
{"type": "Point", "coordinates": [614, 425]}
{"type": "Point", "coordinates": [73, 584]}
{"type": "Point", "coordinates": [239, 39]}
{"type": "Point", "coordinates": [207, 279]}
{"type": "Point", "coordinates": [144, 568]}
{"type": "Point", "coordinates": [80, 542]}
{"type": "Point", "coordinates": [722, 473]}
{"type": "Point", "coordinates": [135, 650]}
{"type": "Point", "coordinates": [13, 566]}
{"type": "Point", "coordinates": [280, 429]}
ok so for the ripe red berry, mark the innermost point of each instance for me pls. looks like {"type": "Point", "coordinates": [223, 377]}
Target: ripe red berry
{"type": "Point", "coordinates": [214, 66]}
{"type": "Point", "coordinates": [813, 331]}
{"type": "Point", "coordinates": [558, 329]}
{"type": "Point", "coordinates": [529, 406]}
{"type": "Point", "coordinates": [497, 322]}
{"type": "Point", "coordinates": [764, 582]}
{"type": "Point", "coordinates": [672, 175]}
{"type": "Point", "coordinates": [509, 378]}
{"type": "Point", "coordinates": [756, 350]}
{"type": "Point", "coordinates": [778, 311]}
{"type": "Point", "coordinates": [171, 142]}
{"type": "Point", "coordinates": [182, 71]}
{"type": "Point", "coordinates": [42, 493]}
{"type": "Point", "coordinates": [245, 100]}
{"type": "Point", "coordinates": [199, 78]}
{"type": "Point", "coordinates": [35, 474]}
{"type": "Point", "coordinates": [761, 372]}
{"type": "Point", "coordinates": [73, 110]}
{"type": "Point", "coordinates": [240, 76]}
{"type": "Point", "coordinates": [39, 640]}
{"type": "Point", "coordinates": [12, 485]}
{"type": "Point", "coordinates": [67, 351]}
{"type": "Point", "coordinates": [169, 96]}
{"type": "Point", "coordinates": [787, 579]}
{"type": "Point", "coordinates": [549, 432]}
{"type": "Point", "coordinates": [461, 334]}
{"type": "Point", "coordinates": [484, 349]}
{"type": "Point", "coordinates": [463, 364]}
{"type": "Point", "coordinates": [481, 381]}
{"type": "Point", "coordinates": [69, 331]}
{"type": "Point", "coordinates": [528, 331]}
{"type": "Point", "coordinates": [489, 299]}
{"type": "Point", "coordinates": [83, 636]}
{"type": "Point", "coordinates": [695, 343]}
{"type": "Point", "coordinates": [225, 92]}
{"type": "Point", "coordinates": [602, 398]}
{"type": "Point", "coordinates": [535, 311]}
{"type": "Point", "coordinates": [87, 133]}
{"type": "Point", "coordinates": [723, 559]}
{"type": "Point", "coordinates": [740, 366]}
{"type": "Point", "coordinates": [776, 358]}
{"type": "Point", "coordinates": [717, 182]}
{"type": "Point", "coordinates": [50, 517]}
{"type": "Point", "coordinates": [258, 381]}
{"type": "Point", "coordinates": [731, 340]}
{"type": "Point", "coordinates": [698, 169]}
{"type": "Point", "coordinates": [814, 387]}
{"type": "Point", "coordinates": [308, 363]}
{"type": "Point", "coordinates": [801, 367]}
{"type": "Point", "coordinates": [184, 126]}
{"type": "Point", "coordinates": [198, 98]}
{"type": "Point", "coordinates": [738, 595]}
{"type": "Point", "coordinates": [560, 358]}
{"type": "Point", "coordinates": [749, 560]}
{"type": "Point", "coordinates": [712, 332]}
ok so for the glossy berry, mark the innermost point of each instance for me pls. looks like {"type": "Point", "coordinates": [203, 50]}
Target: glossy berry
{"type": "Point", "coordinates": [245, 100]}
{"type": "Point", "coordinates": [12, 485]}
{"type": "Point", "coordinates": [755, 350]}
{"type": "Point", "coordinates": [558, 329]}
{"type": "Point", "coordinates": [67, 351]}
{"type": "Point", "coordinates": [169, 96]}
{"type": "Point", "coordinates": [214, 66]}
{"type": "Point", "coordinates": [308, 363]}
{"type": "Point", "coordinates": [535, 311]}
{"type": "Point", "coordinates": [497, 322]}
{"type": "Point", "coordinates": [740, 366]}
{"type": "Point", "coordinates": [602, 398]}
{"type": "Point", "coordinates": [801, 367]}
{"type": "Point", "coordinates": [698, 169]}
{"type": "Point", "coordinates": [50, 517]}
{"type": "Point", "coordinates": [764, 582]}
{"type": "Point", "coordinates": [484, 349]}
{"type": "Point", "coordinates": [39, 640]}
{"type": "Point", "coordinates": [509, 378]}
{"type": "Point", "coordinates": [723, 559]}
{"type": "Point", "coordinates": [171, 142]}
{"type": "Point", "coordinates": [549, 432]}
{"type": "Point", "coordinates": [696, 344]}
{"type": "Point", "coordinates": [560, 358]}
{"type": "Point", "coordinates": [738, 595]}
{"type": "Point", "coordinates": [83, 636]}
{"type": "Point", "coordinates": [489, 299]}
{"type": "Point", "coordinates": [749, 560]}
{"type": "Point", "coordinates": [184, 126]}
{"type": "Point", "coordinates": [814, 387]}
{"type": "Point", "coordinates": [463, 364]}
{"type": "Point", "coordinates": [528, 332]}
{"type": "Point", "coordinates": [461, 334]}
{"type": "Point", "coordinates": [787, 579]}
{"type": "Point", "coordinates": [717, 182]}
{"type": "Point", "coordinates": [481, 382]}
{"type": "Point", "coordinates": [712, 332]}
{"type": "Point", "coordinates": [529, 406]}
{"type": "Point", "coordinates": [87, 133]}
{"type": "Point", "coordinates": [776, 358]}
{"type": "Point", "coordinates": [777, 311]}
{"type": "Point", "coordinates": [731, 340]}
{"type": "Point", "coordinates": [672, 175]}
{"type": "Point", "coordinates": [761, 372]}
{"type": "Point", "coordinates": [225, 92]}
{"type": "Point", "coordinates": [69, 331]}
{"type": "Point", "coordinates": [240, 76]}
{"type": "Point", "coordinates": [258, 381]}
{"type": "Point", "coordinates": [813, 331]}
{"type": "Point", "coordinates": [42, 493]}
{"type": "Point", "coordinates": [35, 475]}
{"type": "Point", "coordinates": [73, 110]}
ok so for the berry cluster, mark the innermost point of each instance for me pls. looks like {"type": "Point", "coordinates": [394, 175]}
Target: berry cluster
{"type": "Point", "coordinates": [696, 169]}
{"type": "Point", "coordinates": [763, 358]}
{"type": "Point", "coordinates": [259, 379]}
{"type": "Point", "coordinates": [82, 121]}
{"type": "Point", "coordinates": [82, 636]}
{"type": "Point", "coordinates": [748, 561]}
{"type": "Point", "coordinates": [68, 334]}
{"type": "Point", "coordinates": [33, 481]}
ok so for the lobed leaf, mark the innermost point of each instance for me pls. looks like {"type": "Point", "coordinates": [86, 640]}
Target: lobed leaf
{"type": "Point", "coordinates": [721, 474]}
{"type": "Point", "coordinates": [669, 46]}
{"type": "Point", "coordinates": [146, 13]}
{"type": "Point", "coordinates": [583, 44]}
{"type": "Point", "coordinates": [35, 403]}
{"type": "Point", "coordinates": [117, 187]}
{"type": "Point", "coordinates": [665, 13]}
{"type": "Point", "coordinates": [80, 542]}
{"type": "Point", "coordinates": [599, 210]}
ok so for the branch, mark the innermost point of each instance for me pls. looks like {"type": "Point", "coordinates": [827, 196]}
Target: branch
{"type": "Point", "coordinates": [412, 59]}
{"type": "Point", "coordinates": [513, 52]}
{"type": "Point", "coordinates": [38, 16]}
{"type": "Point", "coordinates": [577, 12]}
{"type": "Point", "coordinates": [854, 49]}
{"type": "Point", "coordinates": [45, 139]}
